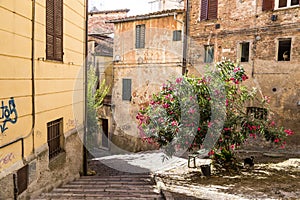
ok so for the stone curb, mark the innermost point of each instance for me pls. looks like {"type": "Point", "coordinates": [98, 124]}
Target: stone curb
{"type": "Point", "coordinates": [161, 187]}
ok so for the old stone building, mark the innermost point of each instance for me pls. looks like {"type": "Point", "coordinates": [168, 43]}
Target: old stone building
{"type": "Point", "coordinates": [147, 52]}
{"type": "Point", "coordinates": [263, 36]}
{"type": "Point", "coordinates": [42, 51]}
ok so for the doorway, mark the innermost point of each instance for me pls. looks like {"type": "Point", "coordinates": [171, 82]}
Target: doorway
{"type": "Point", "coordinates": [104, 133]}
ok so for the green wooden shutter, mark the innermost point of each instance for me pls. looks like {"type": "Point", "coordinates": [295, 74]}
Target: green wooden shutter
{"type": "Point", "coordinates": [126, 89]}
{"type": "Point", "coordinates": [140, 36]}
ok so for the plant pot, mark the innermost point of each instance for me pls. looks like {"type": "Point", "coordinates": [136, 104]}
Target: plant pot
{"type": "Point", "coordinates": [205, 169]}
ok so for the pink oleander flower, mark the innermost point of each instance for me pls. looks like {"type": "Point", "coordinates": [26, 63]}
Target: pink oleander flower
{"type": "Point", "coordinates": [179, 80]}
{"type": "Point", "coordinates": [288, 132]}
{"type": "Point", "coordinates": [165, 105]}
{"type": "Point", "coordinates": [211, 153]}
{"type": "Point", "coordinates": [174, 123]}
{"type": "Point", "coordinates": [276, 140]}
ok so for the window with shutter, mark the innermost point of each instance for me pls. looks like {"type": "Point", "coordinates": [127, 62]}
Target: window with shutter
{"type": "Point", "coordinates": [268, 5]}
{"type": "Point", "coordinates": [282, 4]}
{"type": "Point", "coordinates": [140, 36]}
{"type": "Point", "coordinates": [177, 35]}
{"type": "Point", "coordinates": [54, 30]}
{"type": "Point", "coordinates": [126, 89]}
{"type": "Point", "coordinates": [209, 9]}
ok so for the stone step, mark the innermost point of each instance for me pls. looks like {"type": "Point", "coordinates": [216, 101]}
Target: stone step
{"type": "Point", "coordinates": [122, 187]}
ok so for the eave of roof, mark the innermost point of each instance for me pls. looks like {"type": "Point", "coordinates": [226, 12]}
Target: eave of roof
{"type": "Point", "coordinates": [159, 14]}
{"type": "Point", "coordinates": [109, 11]}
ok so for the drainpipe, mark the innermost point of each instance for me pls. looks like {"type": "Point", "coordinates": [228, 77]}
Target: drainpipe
{"type": "Point", "coordinates": [185, 45]}
{"type": "Point", "coordinates": [32, 92]}
{"type": "Point", "coordinates": [33, 73]}
{"type": "Point", "coordinates": [84, 167]}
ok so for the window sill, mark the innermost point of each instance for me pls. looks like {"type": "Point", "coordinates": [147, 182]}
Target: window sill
{"type": "Point", "coordinates": [285, 8]}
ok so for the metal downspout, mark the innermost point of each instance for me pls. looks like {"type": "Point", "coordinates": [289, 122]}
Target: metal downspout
{"type": "Point", "coordinates": [85, 91]}
{"type": "Point", "coordinates": [185, 45]}
{"type": "Point", "coordinates": [32, 92]}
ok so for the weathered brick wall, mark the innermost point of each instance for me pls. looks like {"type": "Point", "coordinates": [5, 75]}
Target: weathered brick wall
{"type": "Point", "coordinates": [244, 21]}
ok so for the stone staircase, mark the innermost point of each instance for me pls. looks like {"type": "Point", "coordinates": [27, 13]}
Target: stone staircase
{"type": "Point", "coordinates": [130, 186]}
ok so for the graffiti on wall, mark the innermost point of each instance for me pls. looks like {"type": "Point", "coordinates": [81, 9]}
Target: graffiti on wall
{"type": "Point", "coordinates": [6, 159]}
{"type": "Point", "coordinates": [8, 114]}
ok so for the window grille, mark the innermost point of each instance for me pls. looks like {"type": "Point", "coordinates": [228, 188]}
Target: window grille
{"type": "Point", "coordinates": [55, 137]}
{"type": "Point", "coordinates": [257, 113]}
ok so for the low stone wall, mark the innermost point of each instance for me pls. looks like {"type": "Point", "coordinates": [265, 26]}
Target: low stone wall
{"type": "Point", "coordinates": [44, 175]}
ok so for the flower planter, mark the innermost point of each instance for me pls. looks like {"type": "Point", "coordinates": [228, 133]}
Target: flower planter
{"type": "Point", "coordinates": [205, 169]}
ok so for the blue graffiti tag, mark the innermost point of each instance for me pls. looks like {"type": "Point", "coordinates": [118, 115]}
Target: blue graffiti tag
{"type": "Point", "coordinates": [9, 114]}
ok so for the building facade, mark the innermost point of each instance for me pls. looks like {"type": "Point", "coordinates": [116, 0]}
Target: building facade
{"type": "Point", "coordinates": [147, 52]}
{"type": "Point", "coordinates": [42, 54]}
{"type": "Point", "coordinates": [263, 36]}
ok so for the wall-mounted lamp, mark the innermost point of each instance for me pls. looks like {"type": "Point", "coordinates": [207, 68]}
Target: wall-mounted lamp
{"type": "Point", "coordinates": [117, 58]}
{"type": "Point", "coordinates": [274, 18]}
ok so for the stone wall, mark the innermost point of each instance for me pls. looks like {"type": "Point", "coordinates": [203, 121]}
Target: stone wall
{"type": "Point", "coordinates": [245, 21]}
{"type": "Point", "coordinates": [44, 175]}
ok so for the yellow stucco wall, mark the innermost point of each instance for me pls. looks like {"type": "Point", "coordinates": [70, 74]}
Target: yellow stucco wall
{"type": "Point", "coordinates": [58, 85]}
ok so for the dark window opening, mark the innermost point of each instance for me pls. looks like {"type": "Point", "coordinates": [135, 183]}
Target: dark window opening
{"type": "Point", "coordinates": [257, 113]}
{"type": "Point", "coordinates": [282, 3]}
{"type": "Point", "coordinates": [245, 52]}
{"type": "Point", "coordinates": [126, 89]}
{"type": "Point", "coordinates": [209, 54]}
{"type": "Point", "coordinates": [55, 137]}
{"type": "Point", "coordinates": [140, 36]}
{"type": "Point", "coordinates": [294, 2]}
{"type": "Point", "coordinates": [54, 30]}
{"type": "Point", "coordinates": [284, 49]}
{"type": "Point", "coordinates": [22, 179]}
{"type": "Point", "coordinates": [177, 35]}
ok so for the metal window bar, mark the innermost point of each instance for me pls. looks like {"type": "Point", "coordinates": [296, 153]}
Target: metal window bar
{"type": "Point", "coordinates": [258, 113]}
{"type": "Point", "coordinates": [54, 130]}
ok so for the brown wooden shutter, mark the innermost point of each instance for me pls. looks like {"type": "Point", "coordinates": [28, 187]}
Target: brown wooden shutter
{"type": "Point", "coordinates": [58, 11]}
{"type": "Point", "coordinates": [268, 5]}
{"type": "Point", "coordinates": [212, 9]}
{"type": "Point", "coordinates": [54, 30]}
{"type": "Point", "coordinates": [50, 29]}
{"type": "Point", "coordinates": [204, 9]}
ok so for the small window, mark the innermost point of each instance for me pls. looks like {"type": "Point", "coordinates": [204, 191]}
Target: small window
{"type": "Point", "coordinates": [257, 113]}
{"type": "Point", "coordinates": [140, 36]}
{"type": "Point", "coordinates": [55, 137]}
{"type": "Point", "coordinates": [126, 89]}
{"type": "Point", "coordinates": [286, 3]}
{"type": "Point", "coordinates": [177, 35]}
{"type": "Point", "coordinates": [209, 9]}
{"type": "Point", "coordinates": [209, 54]}
{"type": "Point", "coordinates": [244, 52]}
{"type": "Point", "coordinates": [284, 49]}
